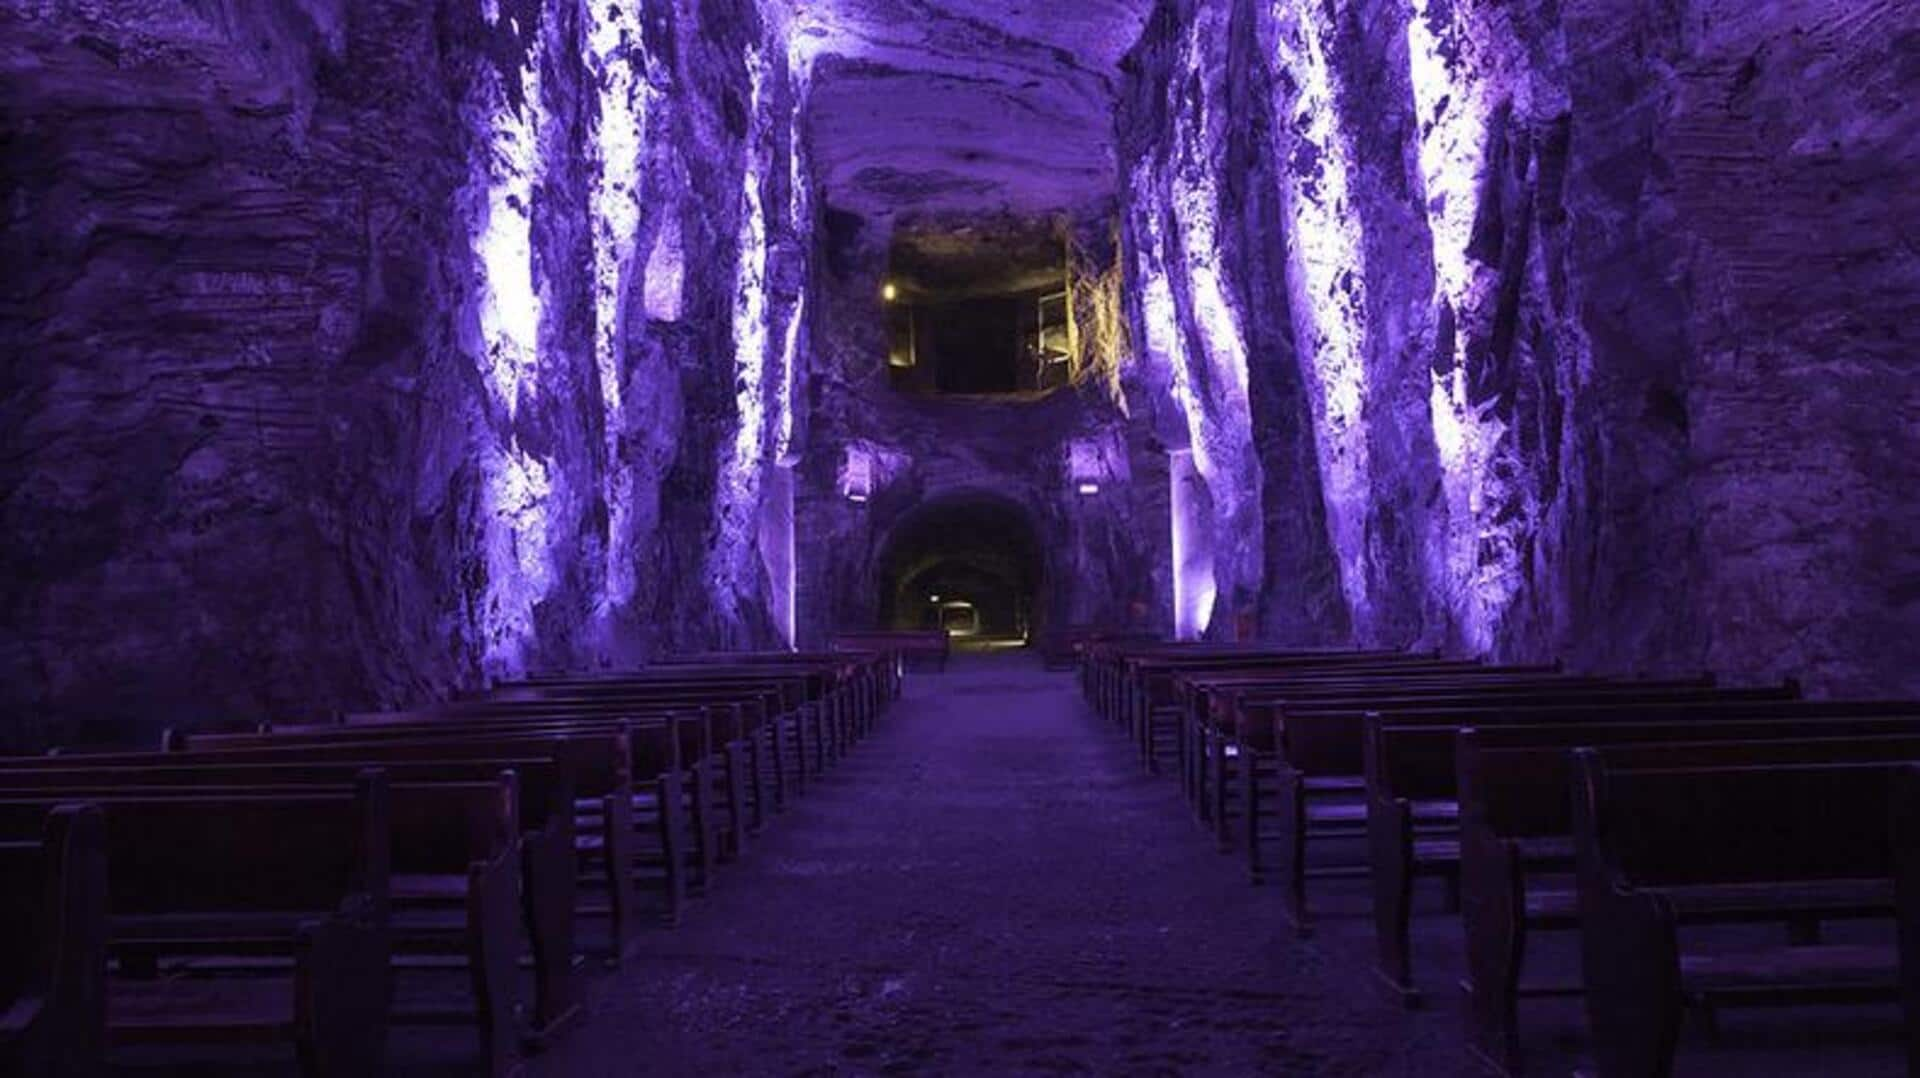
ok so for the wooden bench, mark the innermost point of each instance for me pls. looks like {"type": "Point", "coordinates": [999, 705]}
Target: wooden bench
{"type": "Point", "coordinates": [1228, 749]}
{"type": "Point", "coordinates": [1176, 716]}
{"type": "Point", "coordinates": [1658, 852]}
{"type": "Point", "coordinates": [1516, 847]}
{"type": "Point", "coordinates": [463, 876]}
{"type": "Point", "coordinates": [53, 946]}
{"type": "Point", "coordinates": [1315, 754]}
{"type": "Point", "coordinates": [928, 647]}
{"type": "Point", "coordinates": [312, 893]}
{"type": "Point", "coordinates": [632, 810]}
{"type": "Point", "coordinates": [1066, 648]}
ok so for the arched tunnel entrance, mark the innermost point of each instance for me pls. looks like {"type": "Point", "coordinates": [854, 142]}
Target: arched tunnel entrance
{"type": "Point", "coordinates": [969, 563]}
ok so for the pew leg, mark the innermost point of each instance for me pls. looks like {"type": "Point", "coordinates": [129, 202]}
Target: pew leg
{"type": "Point", "coordinates": [777, 733]}
{"type": "Point", "coordinates": [673, 854]}
{"type": "Point", "coordinates": [737, 797]}
{"type": "Point", "coordinates": [757, 771]}
{"type": "Point", "coordinates": [548, 896]}
{"type": "Point", "coordinates": [493, 946]}
{"type": "Point", "coordinates": [803, 744]}
{"type": "Point", "coordinates": [1290, 816]}
{"type": "Point", "coordinates": [1391, 866]}
{"type": "Point", "coordinates": [617, 838]}
{"type": "Point", "coordinates": [705, 826]}
{"type": "Point", "coordinates": [1250, 833]}
{"type": "Point", "coordinates": [1491, 913]}
{"type": "Point", "coordinates": [1222, 784]}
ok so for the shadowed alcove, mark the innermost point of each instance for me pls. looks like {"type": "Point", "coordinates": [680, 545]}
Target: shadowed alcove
{"type": "Point", "coordinates": [971, 562]}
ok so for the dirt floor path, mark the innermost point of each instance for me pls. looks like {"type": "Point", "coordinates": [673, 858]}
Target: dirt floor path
{"type": "Point", "coordinates": [989, 885]}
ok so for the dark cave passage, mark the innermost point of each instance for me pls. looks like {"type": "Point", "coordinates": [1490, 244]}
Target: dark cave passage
{"type": "Point", "coordinates": [971, 563]}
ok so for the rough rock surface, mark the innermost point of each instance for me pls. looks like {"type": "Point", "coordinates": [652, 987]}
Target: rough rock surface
{"type": "Point", "coordinates": [358, 349]}
{"type": "Point", "coordinates": [1599, 310]}
{"type": "Point", "coordinates": [930, 106]}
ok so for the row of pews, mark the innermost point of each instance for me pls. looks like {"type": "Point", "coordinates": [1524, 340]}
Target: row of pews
{"type": "Point", "coordinates": [1646, 815]}
{"type": "Point", "coordinates": [308, 887]}
{"type": "Point", "coordinates": [923, 649]}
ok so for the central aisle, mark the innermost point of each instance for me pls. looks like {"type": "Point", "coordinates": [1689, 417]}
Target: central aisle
{"type": "Point", "coordinates": [989, 885]}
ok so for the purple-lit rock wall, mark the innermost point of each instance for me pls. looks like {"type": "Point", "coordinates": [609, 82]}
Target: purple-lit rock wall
{"type": "Point", "coordinates": [1595, 319]}
{"type": "Point", "coordinates": [357, 350]}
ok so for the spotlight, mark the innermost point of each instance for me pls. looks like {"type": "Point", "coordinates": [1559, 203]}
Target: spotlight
{"type": "Point", "coordinates": [1089, 488]}
{"type": "Point", "coordinates": [889, 292]}
{"type": "Point", "coordinates": [933, 598]}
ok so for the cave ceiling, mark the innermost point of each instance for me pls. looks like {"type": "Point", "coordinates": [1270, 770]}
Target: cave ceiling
{"type": "Point", "coordinates": [943, 109]}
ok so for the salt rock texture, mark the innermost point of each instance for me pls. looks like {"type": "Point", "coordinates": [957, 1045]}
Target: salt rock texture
{"type": "Point", "coordinates": [1599, 309]}
{"type": "Point", "coordinates": [357, 350]}
{"type": "Point", "coordinates": [936, 106]}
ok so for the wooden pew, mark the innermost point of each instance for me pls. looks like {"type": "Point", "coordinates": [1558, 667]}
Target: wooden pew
{"type": "Point", "coordinates": [1066, 648]}
{"type": "Point", "coordinates": [1412, 789]}
{"type": "Point", "coordinates": [1658, 852]}
{"type": "Point", "coordinates": [1176, 699]}
{"type": "Point", "coordinates": [1142, 696]}
{"type": "Point", "coordinates": [777, 748]}
{"type": "Point", "coordinates": [313, 892]}
{"type": "Point", "coordinates": [929, 646]}
{"type": "Point", "coordinates": [53, 946]}
{"type": "Point", "coordinates": [1516, 847]}
{"type": "Point", "coordinates": [512, 818]}
{"type": "Point", "coordinates": [1316, 745]}
{"type": "Point", "coordinates": [627, 776]}
{"type": "Point", "coordinates": [1229, 749]}
{"type": "Point", "coordinates": [463, 878]}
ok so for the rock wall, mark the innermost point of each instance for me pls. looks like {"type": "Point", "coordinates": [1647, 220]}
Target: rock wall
{"type": "Point", "coordinates": [1599, 314]}
{"type": "Point", "coordinates": [359, 349]}
{"type": "Point", "coordinates": [1103, 554]}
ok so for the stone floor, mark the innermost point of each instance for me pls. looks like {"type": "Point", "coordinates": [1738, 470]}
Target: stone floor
{"type": "Point", "coordinates": [989, 885]}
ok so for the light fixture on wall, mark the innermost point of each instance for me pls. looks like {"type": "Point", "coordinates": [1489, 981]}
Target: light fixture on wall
{"type": "Point", "coordinates": [856, 475]}
{"type": "Point", "coordinates": [889, 291]}
{"type": "Point", "coordinates": [1086, 466]}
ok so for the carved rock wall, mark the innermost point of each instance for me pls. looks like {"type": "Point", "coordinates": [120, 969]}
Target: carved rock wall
{"type": "Point", "coordinates": [1600, 312]}
{"type": "Point", "coordinates": [357, 349]}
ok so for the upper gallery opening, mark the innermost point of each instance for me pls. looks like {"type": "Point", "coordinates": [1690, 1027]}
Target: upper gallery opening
{"type": "Point", "coordinates": [977, 308]}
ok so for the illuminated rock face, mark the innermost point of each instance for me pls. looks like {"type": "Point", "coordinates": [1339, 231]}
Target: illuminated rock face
{"type": "Point", "coordinates": [1592, 320]}
{"type": "Point", "coordinates": [362, 349]}
{"type": "Point", "coordinates": [359, 349]}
